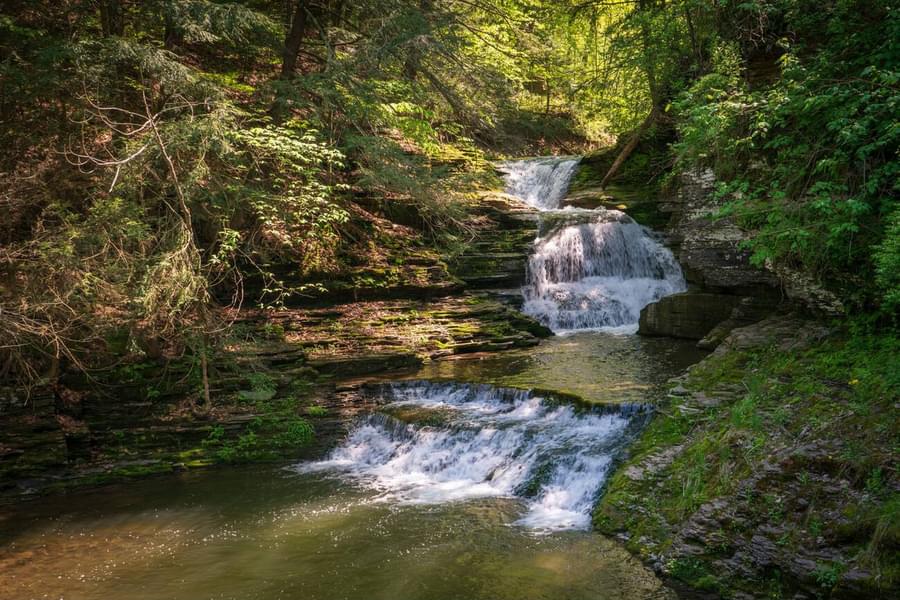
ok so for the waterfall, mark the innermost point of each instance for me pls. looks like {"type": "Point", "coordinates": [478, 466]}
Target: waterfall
{"type": "Point", "coordinates": [540, 182]}
{"type": "Point", "coordinates": [475, 441]}
{"type": "Point", "coordinates": [591, 269]}
{"type": "Point", "coordinates": [598, 274]}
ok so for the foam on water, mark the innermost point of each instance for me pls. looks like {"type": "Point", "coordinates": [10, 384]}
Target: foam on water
{"type": "Point", "coordinates": [492, 442]}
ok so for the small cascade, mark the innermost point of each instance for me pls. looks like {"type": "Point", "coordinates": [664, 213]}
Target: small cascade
{"type": "Point", "coordinates": [598, 274]}
{"type": "Point", "coordinates": [490, 442]}
{"type": "Point", "coordinates": [540, 182]}
{"type": "Point", "coordinates": [591, 269]}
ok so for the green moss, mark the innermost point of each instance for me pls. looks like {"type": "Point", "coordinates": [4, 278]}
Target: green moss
{"type": "Point", "coordinates": [316, 411]}
{"type": "Point", "coordinates": [841, 392]}
{"type": "Point", "coordinates": [693, 572]}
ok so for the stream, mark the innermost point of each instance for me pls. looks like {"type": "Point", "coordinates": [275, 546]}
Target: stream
{"type": "Point", "coordinates": [469, 483]}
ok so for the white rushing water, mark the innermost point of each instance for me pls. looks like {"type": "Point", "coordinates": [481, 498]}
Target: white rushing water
{"type": "Point", "coordinates": [540, 182]}
{"type": "Point", "coordinates": [598, 274]}
{"type": "Point", "coordinates": [488, 442]}
{"type": "Point", "coordinates": [596, 270]}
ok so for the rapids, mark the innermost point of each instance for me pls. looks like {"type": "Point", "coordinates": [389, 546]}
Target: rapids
{"type": "Point", "coordinates": [590, 269]}
{"type": "Point", "coordinates": [476, 441]}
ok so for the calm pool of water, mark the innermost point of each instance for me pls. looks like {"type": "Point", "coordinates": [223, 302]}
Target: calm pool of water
{"type": "Point", "coordinates": [264, 533]}
{"type": "Point", "coordinates": [598, 366]}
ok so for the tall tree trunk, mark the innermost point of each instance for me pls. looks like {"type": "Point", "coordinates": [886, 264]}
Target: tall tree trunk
{"type": "Point", "coordinates": [204, 368]}
{"type": "Point", "coordinates": [294, 39]}
{"type": "Point", "coordinates": [112, 18]}
{"type": "Point", "coordinates": [414, 54]}
{"type": "Point", "coordinates": [172, 36]}
{"type": "Point", "coordinates": [649, 52]}
{"type": "Point", "coordinates": [656, 94]}
{"type": "Point", "coordinates": [547, 107]}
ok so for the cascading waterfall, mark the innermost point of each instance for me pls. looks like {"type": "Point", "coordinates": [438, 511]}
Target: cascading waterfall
{"type": "Point", "coordinates": [592, 269]}
{"type": "Point", "coordinates": [488, 442]}
{"type": "Point", "coordinates": [598, 274]}
{"type": "Point", "coordinates": [540, 182]}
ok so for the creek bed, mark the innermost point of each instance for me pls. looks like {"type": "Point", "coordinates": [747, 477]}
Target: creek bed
{"type": "Point", "coordinates": [267, 532]}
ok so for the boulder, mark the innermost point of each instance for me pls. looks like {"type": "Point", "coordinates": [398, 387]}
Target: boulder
{"type": "Point", "coordinates": [689, 315]}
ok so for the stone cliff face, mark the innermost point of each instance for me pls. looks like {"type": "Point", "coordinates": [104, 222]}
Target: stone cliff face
{"type": "Point", "coordinates": [726, 290]}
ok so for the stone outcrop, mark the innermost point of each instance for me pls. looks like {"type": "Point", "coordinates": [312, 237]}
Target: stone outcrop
{"type": "Point", "coordinates": [689, 315]}
{"type": "Point", "coordinates": [726, 290]}
{"type": "Point", "coordinates": [498, 252]}
{"type": "Point", "coordinates": [710, 249]}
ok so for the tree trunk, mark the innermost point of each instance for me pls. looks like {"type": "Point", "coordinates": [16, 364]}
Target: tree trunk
{"type": "Point", "coordinates": [629, 147]}
{"type": "Point", "coordinates": [547, 107]}
{"type": "Point", "coordinates": [656, 94]}
{"type": "Point", "coordinates": [204, 367]}
{"type": "Point", "coordinates": [414, 54]}
{"type": "Point", "coordinates": [112, 18]}
{"type": "Point", "coordinates": [294, 39]}
{"type": "Point", "coordinates": [455, 102]}
{"type": "Point", "coordinates": [171, 36]}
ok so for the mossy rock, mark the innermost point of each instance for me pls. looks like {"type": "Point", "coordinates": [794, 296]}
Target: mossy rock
{"type": "Point", "coordinates": [262, 395]}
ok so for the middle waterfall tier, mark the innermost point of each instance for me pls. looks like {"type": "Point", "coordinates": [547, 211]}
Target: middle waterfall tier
{"type": "Point", "coordinates": [598, 273]}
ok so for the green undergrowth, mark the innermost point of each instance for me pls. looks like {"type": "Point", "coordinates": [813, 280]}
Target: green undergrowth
{"type": "Point", "coordinates": [263, 414]}
{"type": "Point", "coordinates": [802, 448]}
{"type": "Point", "coordinates": [281, 411]}
{"type": "Point", "coordinates": [637, 187]}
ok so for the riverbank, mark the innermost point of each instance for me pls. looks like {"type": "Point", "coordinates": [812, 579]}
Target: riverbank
{"type": "Point", "coordinates": [770, 472]}
{"type": "Point", "coordinates": [273, 380]}
{"type": "Point", "coordinates": [273, 392]}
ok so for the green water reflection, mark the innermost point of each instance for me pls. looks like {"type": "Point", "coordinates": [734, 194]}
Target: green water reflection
{"type": "Point", "coordinates": [262, 533]}
{"type": "Point", "coordinates": [598, 366]}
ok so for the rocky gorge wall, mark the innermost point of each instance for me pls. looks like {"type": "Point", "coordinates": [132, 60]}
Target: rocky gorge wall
{"type": "Point", "coordinates": [726, 290]}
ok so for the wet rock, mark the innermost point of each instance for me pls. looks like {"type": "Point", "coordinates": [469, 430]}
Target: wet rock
{"type": "Point", "coordinates": [362, 365]}
{"type": "Point", "coordinates": [689, 315]}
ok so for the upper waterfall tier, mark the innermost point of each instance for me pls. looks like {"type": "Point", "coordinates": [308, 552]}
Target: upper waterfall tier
{"type": "Point", "coordinates": [471, 441]}
{"type": "Point", "coordinates": [540, 182]}
{"type": "Point", "coordinates": [598, 273]}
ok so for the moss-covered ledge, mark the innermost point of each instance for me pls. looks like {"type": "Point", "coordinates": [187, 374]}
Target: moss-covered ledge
{"type": "Point", "coordinates": [771, 471]}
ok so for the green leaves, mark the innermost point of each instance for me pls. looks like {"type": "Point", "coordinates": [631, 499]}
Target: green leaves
{"type": "Point", "coordinates": [809, 162]}
{"type": "Point", "coordinates": [204, 22]}
{"type": "Point", "coordinates": [289, 191]}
